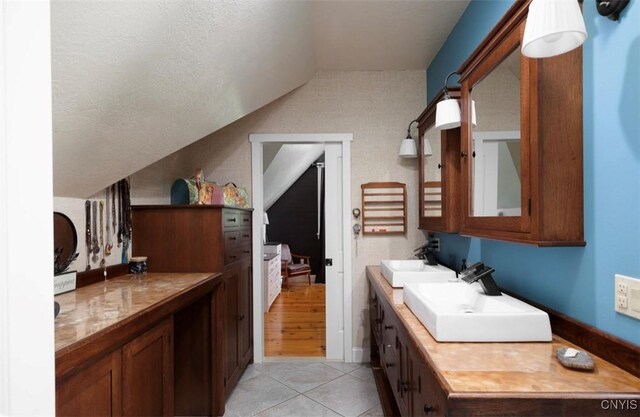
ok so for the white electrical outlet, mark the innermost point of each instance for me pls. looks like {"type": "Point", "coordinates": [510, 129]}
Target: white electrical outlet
{"type": "Point", "coordinates": [627, 296]}
{"type": "Point", "coordinates": [621, 301]}
{"type": "Point", "coordinates": [621, 287]}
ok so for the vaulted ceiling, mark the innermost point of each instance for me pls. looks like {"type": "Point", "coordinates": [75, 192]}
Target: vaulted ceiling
{"type": "Point", "coordinates": [134, 81]}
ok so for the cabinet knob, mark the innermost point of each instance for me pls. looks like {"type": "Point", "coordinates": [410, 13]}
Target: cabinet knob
{"type": "Point", "coordinates": [241, 317]}
{"type": "Point", "coordinates": [389, 365]}
{"type": "Point", "coordinates": [388, 327]}
{"type": "Point", "coordinates": [405, 387]}
{"type": "Point", "coordinates": [440, 166]}
{"type": "Point", "coordinates": [232, 238]}
{"type": "Point", "coordinates": [463, 154]}
{"type": "Point", "coordinates": [232, 219]}
{"type": "Point", "coordinates": [428, 409]}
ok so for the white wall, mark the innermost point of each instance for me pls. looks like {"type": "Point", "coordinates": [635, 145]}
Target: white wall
{"type": "Point", "coordinates": [27, 381]}
{"type": "Point", "coordinates": [375, 106]}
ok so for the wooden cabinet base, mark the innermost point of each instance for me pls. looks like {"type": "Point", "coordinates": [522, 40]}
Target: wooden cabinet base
{"type": "Point", "coordinates": [94, 390]}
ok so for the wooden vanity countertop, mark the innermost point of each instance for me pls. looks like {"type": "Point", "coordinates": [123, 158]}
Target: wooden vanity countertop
{"type": "Point", "coordinates": [516, 368]}
{"type": "Point", "coordinates": [99, 310]}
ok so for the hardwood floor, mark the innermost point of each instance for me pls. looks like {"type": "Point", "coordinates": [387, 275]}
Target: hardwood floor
{"type": "Point", "coordinates": [295, 324]}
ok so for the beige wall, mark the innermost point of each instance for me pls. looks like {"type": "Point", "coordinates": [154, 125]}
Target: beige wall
{"type": "Point", "coordinates": [375, 106]}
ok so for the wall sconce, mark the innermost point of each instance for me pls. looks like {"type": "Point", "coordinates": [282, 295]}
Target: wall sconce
{"type": "Point", "coordinates": [408, 147]}
{"type": "Point", "coordinates": [447, 110]}
{"type": "Point", "coordinates": [611, 8]}
{"type": "Point", "coordinates": [427, 146]}
{"type": "Point", "coordinates": [553, 27]}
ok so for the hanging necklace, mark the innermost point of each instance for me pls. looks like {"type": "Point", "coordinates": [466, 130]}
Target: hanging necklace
{"type": "Point", "coordinates": [94, 225]}
{"type": "Point", "coordinates": [87, 209]}
{"type": "Point", "coordinates": [101, 231]}
{"type": "Point", "coordinates": [107, 249]}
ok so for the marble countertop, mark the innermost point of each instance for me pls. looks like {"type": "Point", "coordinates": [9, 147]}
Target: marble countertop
{"type": "Point", "coordinates": [93, 309]}
{"type": "Point", "coordinates": [504, 367]}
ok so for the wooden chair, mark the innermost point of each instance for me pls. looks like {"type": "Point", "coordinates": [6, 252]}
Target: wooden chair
{"type": "Point", "coordinates": [290, 268]}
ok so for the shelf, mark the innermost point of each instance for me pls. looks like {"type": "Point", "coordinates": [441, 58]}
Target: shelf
{"type": "Point", "coordinates": [384, 208]}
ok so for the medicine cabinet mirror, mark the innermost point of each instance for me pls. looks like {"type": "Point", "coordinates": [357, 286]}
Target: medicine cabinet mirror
{"type": "Point", "coordinates": [521, 162]}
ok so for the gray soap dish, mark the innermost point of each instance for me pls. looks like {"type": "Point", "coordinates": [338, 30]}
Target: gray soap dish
{"type": "Point", "coordinates": [582, 361]}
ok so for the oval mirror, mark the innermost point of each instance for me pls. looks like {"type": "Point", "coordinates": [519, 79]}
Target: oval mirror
{"type": "Point", "coordinates": [65, 242]}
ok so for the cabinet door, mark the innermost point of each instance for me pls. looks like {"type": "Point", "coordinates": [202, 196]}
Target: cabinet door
{"type": "Point", "coordinates": [245, 319]}
{"type": "Point", "coordinates": [147, 368]}
{"type": "Point", "coordinates": [95, 390]}
{"type": "Point", "coordinates": [427, 399]}
{"type": "Point", "coordinates": [231, 328]}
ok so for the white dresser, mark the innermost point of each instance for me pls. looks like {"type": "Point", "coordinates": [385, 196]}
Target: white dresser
{"type": "Point", "coordinates": [271, 273]}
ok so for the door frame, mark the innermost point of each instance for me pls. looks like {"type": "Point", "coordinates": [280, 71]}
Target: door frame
{"type": "Point", "coordinates": [257, 141]}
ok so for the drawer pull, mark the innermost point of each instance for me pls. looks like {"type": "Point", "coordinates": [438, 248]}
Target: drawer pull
{"type": "Point", "coordinates": [232, 238]}
{"type": "Point", "coordinates": [389, 365]}
{"type": "Point", "coordinates": [231, 219]}
{"type": "Point", "coordinates": [247, 236]}
{"type": "Point", "coordinates": [246, 220]}
{"type": "Point", "coordinates": [241, 317]}
{"type": "Point", "coordinates": [388, 327]}
{"type": "Point", "coordinates": [246, 251]}
{"type": "Point", "coordinates": [428, 409]}
{"type": "Point", "coordinates": [405, 387]}
{"type": "Point", "coordinates": [232, 257]}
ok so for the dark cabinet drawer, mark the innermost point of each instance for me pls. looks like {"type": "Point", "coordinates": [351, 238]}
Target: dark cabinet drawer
{"type": "Point", "coordinates": [230, 219]}
{"type": "Point", "coordinates": [231, 238]}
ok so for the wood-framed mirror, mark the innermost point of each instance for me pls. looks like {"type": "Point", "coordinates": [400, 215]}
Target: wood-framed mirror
{"type": "Point", "coordinates": [521, 161]}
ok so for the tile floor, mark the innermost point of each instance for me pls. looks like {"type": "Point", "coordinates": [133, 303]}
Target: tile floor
{"type": "Point", "coordinates": [305, 389]}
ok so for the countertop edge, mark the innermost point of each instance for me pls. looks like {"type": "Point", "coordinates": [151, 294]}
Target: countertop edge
{"type": "Point", "coordinates": [68, 357]}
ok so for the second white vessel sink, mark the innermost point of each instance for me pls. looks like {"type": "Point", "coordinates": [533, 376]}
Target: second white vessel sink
{"type": "Point", "coordinates": [399, 273]}
{"type": "Point", "coordinates": [459, 312]}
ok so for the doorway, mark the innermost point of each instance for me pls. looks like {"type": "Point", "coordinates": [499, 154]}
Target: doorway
{"type": "Point", "coordinates": [295, 299]}
{"type": "Point", "coordinates": [336, 249]}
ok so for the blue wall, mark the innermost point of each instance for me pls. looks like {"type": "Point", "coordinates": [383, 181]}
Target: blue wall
{"type": "Point", "coordinates": [579, 281]}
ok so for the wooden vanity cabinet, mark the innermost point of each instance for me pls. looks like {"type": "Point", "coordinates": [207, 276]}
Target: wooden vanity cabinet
{"type": "Point", "coordinates": [206, 239]}
{"type": "Point", "coordinates": [134, 380]}
{"type": "Point", "coordinates": [439, 173]}
{"type": "Point", "coordinates": [537, 198]}
{"type": "Point", "coordinates": [417, 376]}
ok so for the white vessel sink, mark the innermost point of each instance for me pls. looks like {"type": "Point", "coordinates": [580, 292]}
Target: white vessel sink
{"type": "Point", "coordinates": [459, 312]}
{"type": "Point", "coordinates": [399, 273]}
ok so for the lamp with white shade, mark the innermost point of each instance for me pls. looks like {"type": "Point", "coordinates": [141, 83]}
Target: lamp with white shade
{"type": "Point", "coordinates": [448, 115]}
{"type": "Point", "coordinates": [408, 148]}
{"type": "Point", "coordinates": [553, 27]}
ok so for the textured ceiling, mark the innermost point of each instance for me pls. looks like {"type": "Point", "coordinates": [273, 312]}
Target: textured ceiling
{"type": "Point", "coordinates": [382, 35]}
{"type": "Point", "coordinates": [134, 81]}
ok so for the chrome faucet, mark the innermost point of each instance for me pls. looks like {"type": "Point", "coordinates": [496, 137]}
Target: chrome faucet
{"type": "Point", "coordinates": [481, 273]}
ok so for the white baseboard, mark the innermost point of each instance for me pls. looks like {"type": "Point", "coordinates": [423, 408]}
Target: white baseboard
{"type": "Point", "coordinates": [361, 355]}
